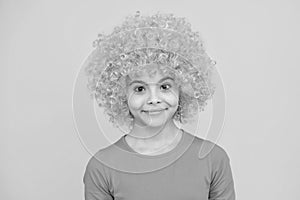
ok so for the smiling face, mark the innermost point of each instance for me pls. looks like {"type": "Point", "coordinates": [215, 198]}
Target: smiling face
{"type": "Point", "coordinates": [147, 94]}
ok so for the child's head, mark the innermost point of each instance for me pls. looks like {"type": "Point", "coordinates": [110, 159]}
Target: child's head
{"type": "Point", "coordinates": [162, 45]}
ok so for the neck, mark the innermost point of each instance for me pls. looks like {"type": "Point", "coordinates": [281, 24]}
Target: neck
{"type": "Point", "coordinates": [153, 136]}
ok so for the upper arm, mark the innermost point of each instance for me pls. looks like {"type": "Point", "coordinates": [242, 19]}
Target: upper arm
{"type": "Point", "coordinates": [222, 185]}
{"type": "Point", "coordinates": [95, 183]}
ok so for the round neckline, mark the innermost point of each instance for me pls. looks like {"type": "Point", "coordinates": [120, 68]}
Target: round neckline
{"type": "Point", "coordinates": [165, 154]}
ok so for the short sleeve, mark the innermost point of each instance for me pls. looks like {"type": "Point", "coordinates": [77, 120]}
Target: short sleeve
{"type": "Point", "coordinates": [95, 183]}
{"type": "Point", "coordinates": [222, 185]}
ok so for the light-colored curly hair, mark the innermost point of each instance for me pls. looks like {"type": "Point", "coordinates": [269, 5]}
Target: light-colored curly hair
{"type": "Point", "coordinates": [128, 51]}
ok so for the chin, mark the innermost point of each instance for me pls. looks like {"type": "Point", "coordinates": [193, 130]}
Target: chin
{"type": "Point", "coordinates": [157, 121]}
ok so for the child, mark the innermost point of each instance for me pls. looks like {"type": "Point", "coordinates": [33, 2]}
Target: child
{"type": "Point", "coordinates": [148, 73]}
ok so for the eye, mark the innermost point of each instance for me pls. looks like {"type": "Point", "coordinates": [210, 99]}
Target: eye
{"type": "Point", "coordinates": [137, 89]}
{"type": "Point", "coordinates": [168, 86]}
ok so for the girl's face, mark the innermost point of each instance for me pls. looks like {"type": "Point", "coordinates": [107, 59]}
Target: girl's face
{"type": "Point", "coordinates": [146, 94]}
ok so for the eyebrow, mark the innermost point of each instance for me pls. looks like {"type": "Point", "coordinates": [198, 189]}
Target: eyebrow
{"type": "Point", "coordinates": [161, 80]}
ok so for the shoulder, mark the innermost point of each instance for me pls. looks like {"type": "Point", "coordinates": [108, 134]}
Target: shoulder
{"type": "Point", "coordinates": [99, 158]}
{"type": "Point", "coordinates": [218, 152]}
{"type": "Point", "coordinates": [215, 155]}
{"type": "Point", "coordinates": [209, 149]}
{"type": "Point", "coordinates": [96, 168]}
{"type": "Point", "coordinates": [107, 157]}
{"type": "Point", "coordinates": [94, 164]}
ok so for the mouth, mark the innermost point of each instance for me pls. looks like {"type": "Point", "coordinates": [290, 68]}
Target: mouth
{"type": "Point", "coordinates": [154, 111]}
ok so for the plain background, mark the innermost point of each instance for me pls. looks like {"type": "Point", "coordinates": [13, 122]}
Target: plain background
{"type": "Point", "coordinates": [43, 43]}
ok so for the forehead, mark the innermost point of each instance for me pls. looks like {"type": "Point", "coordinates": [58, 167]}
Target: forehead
{"type": "Point", "coordinates": [150, 81]}
{"type": "Point", "coordinates": [148, 75]}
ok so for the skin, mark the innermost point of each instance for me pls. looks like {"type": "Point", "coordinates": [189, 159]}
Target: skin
{"type": "Point", "coordinates": [153, 134]}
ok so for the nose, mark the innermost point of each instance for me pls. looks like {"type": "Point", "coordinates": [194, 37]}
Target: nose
{"type": "Point", "coordinates": [154, 98]}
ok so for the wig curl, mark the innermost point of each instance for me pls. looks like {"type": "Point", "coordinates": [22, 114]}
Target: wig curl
{"type": "Point", "coordinates": [161, 39]}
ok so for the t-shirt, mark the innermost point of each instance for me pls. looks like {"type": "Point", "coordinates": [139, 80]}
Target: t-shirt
{"type": "Point", "coordinates": [195, 169]}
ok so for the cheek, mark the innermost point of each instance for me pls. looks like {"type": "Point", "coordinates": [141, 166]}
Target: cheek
{"type": "Point", "coordinates": [172, 100]}
{"type": "Point", "coordinates": [135, 103]}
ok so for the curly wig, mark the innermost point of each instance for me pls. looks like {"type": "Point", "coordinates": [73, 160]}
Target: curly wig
{"type": "Point", "coordinates": [160, 39]}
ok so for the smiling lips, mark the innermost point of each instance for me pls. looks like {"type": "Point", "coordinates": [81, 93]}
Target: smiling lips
{"type": "Point", "coordinates": [154, 111]}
